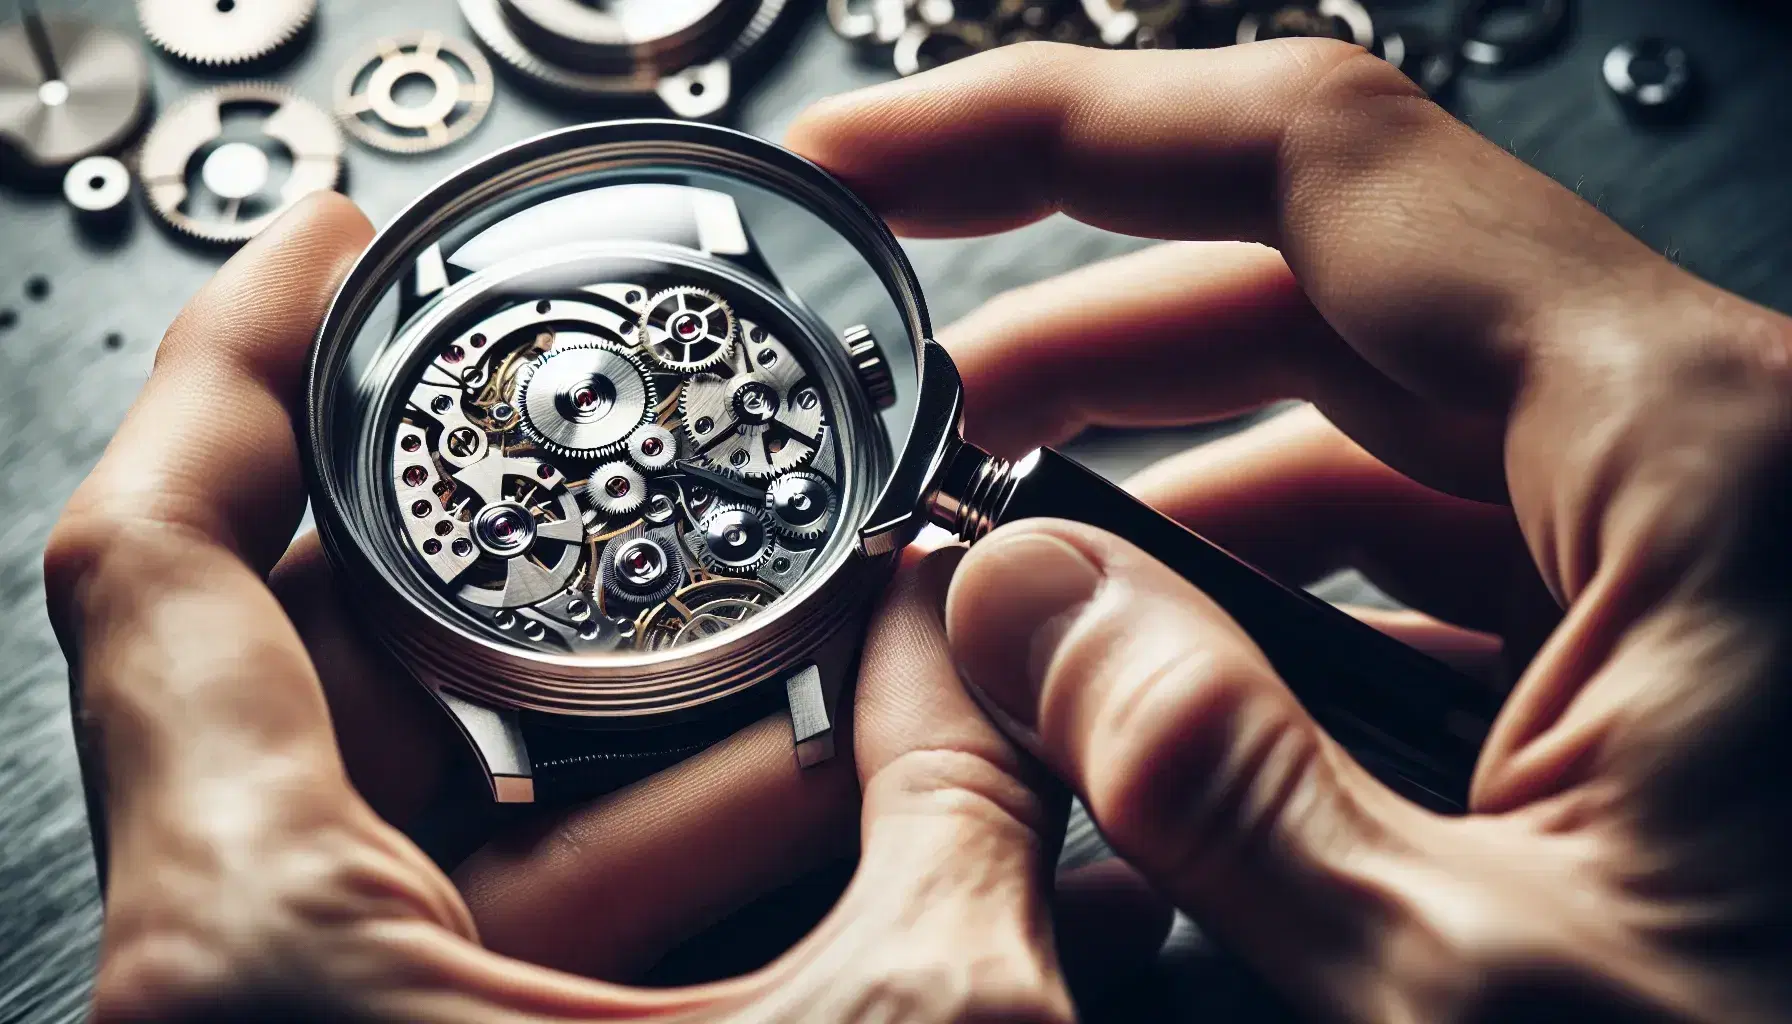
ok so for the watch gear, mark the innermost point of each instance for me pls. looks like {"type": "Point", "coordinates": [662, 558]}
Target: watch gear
{"type": "Point", "coordinates": [460, 93]}
{"type": "Point", "coordinates": [761, 421]}
{"type": "Point", "coordinates": [542, 390]}
{"type": "Point", "coordinates": [652, 447]}
{"type": "Point", "coordinates": [583, 399]}
{"type": "Point", "coordinates": [688, 330]}
{"type": "Point", "coordinates": [702, 610]}
{"type": "Point", "coordinates": [642, 567]}
{"type": "Point", "coordinates": [223, 32]}
{"type": "Point", "coordinates": [234, 194]}
{"type": "Point", "coordinates": [68, 89]}
{"type": "Point", "coordinates": [681, 52]}
{"type": "Point", "coordinates": [801, 504]}
{"type": "Point", "coordinates": [733, 540]}
{"type": "Point", "coordinates": [616, 489]}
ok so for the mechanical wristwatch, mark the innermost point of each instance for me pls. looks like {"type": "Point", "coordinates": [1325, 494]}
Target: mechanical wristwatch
{"type": "Point", "coordinates": [615, 436]}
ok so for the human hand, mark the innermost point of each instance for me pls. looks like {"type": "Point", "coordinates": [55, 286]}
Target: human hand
{"type": "Point", "coordinates": [250, 755]}
{"type": "Point", "coordinates": [1614, 438]}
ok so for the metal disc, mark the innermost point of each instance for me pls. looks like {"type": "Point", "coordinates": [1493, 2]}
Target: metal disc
{"type": "Point", "coordinates": [98, 184]}
{"type": "Point", "coordinates": [68, 89]}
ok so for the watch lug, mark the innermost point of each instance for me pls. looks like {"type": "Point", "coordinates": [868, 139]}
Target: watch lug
{"type": "Point", "coordinates": [811, 715]}
{"type": "Point", "coordinates": [939, 423]}
{"type": "Point", "coordinates": [497, 741]}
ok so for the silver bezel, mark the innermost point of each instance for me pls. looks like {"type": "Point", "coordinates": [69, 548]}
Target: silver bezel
{"type": "Point", "coordinates": [620, 686]}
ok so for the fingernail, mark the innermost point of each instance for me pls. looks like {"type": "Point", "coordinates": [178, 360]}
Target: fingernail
{"type": "Point", "coordinates": [1030, 589]}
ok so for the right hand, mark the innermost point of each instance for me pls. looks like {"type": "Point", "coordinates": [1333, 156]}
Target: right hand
{"type": "Point", "coordinates": [1616, 440]}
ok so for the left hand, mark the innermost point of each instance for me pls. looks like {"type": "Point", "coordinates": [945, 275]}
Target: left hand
{"type": "Point", "coordinates": [251, 753]}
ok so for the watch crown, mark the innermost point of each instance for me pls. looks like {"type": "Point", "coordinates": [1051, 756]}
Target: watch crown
{"type": "Point", "coordinates": [868, 362]}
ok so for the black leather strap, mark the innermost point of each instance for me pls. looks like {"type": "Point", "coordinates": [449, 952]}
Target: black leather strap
{"type": "Point", "coordinates": [571, 763]}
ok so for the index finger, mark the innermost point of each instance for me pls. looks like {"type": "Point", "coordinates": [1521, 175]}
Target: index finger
{"type": "Point", "coordinates": [1402, 225]}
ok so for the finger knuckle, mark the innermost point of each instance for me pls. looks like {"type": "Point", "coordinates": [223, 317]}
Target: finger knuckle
{"type": "Point", "coordinates": [983, 988]}
{"type": "Point", "coordinates": [1201, 767]}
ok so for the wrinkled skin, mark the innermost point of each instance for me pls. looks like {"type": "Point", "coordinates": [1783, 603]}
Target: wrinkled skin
{"type": "Point", "coordinates": [1568, 454]}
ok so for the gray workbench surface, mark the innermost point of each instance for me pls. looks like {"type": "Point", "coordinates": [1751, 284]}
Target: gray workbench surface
{"type": "Point", "coordinates": [1715, 193]}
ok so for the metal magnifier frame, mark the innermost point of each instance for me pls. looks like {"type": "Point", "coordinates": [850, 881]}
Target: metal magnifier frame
{"type": "Point", "coordinates": [348, 400]}
{"type": "Point", "coordinates": [1414, 721]}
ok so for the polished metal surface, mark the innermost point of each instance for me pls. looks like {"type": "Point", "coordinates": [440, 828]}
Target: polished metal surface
{"type": "Point", "coordinates": [68, 89]}
{"type": "Point", "coordinates": [678, 53]}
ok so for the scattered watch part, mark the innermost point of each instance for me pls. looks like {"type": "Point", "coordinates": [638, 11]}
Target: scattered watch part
{"type": "Point", "coordinates": [1138, 24]}
{"type": "Point", "coordinates": [1652, 77]}
{"type": "Point", "coordinates": [97, 186]}
{"type": "Point", "coordinates": [682, 52]}
{"type": "Point", "coordinates": [687, 330]}
{"type": "Point", "coordinates": [219, 33]}
{"type": "Point", "coordinates": [460, 83]}
{"type": "Point", "coordinates": [733, 540]}
{"type": "Point", "coordinates": [1430, 61]}
{"type": "Point", "coordinates": [235, 175]}
{"type": "Point", "coordinates": [922, 47]}
{"type": "Point", "coordinates": [869, 365]}
{"type": "Point", "coordinates": [1528, 31]}
{"type": "Point", "coordinates": [801, 504]}
{"type": "Point", "coordinates": [1329, 19]}
{"type": "Point", "coordinates": [68, 89]}
{"type": "Point", "coordinates": [585, 397]}
{"type": "Point", "coordinates": [652, 447]}
{"type": "Point", "coordinates": [616, 489]}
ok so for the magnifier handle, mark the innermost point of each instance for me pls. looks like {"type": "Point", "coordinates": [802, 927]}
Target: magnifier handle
{"type": "Point", "coordinates": [1411, 719]}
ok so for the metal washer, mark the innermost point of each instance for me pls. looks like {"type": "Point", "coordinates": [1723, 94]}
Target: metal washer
{"type": "Point", "coordinates": [97, 185]}
{"type": "Point", "coordinates": [369, 110]}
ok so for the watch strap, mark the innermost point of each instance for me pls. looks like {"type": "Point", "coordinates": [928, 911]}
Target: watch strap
{"type": "Point", "coordinates": [571, 762]}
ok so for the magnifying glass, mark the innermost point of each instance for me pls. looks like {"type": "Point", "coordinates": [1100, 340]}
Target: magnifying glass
{"type": "Point", "coordinates": [616, 434]}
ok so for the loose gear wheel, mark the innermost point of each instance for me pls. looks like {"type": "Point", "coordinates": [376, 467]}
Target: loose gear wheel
{"type": "Point", "coordinates": [236, 195]}
{"type": "Point", "coordinates": [461, 93]}
{"type": "Point", "coordinates": [688, 330]}
{"type": "Point", "coordinates": [223, 32]}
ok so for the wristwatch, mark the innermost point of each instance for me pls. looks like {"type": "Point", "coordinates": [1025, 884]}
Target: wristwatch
{"type": "Point", "coordinates": [600, 471]}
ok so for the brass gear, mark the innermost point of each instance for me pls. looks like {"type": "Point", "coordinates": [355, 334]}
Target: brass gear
{"type": "Point", "coordinates": [219, 33]}
{"type": "Point", "coordinates": [687, 329]}
{"type": "Point", "coordinates": [306, 132]}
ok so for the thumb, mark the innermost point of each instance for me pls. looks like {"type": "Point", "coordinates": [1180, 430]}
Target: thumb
{"type": "Point", "coordinates": [1193, 758]}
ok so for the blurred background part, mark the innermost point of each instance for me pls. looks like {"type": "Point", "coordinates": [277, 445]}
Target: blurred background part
{"type": "Point", "coordinates": [141, 141]}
